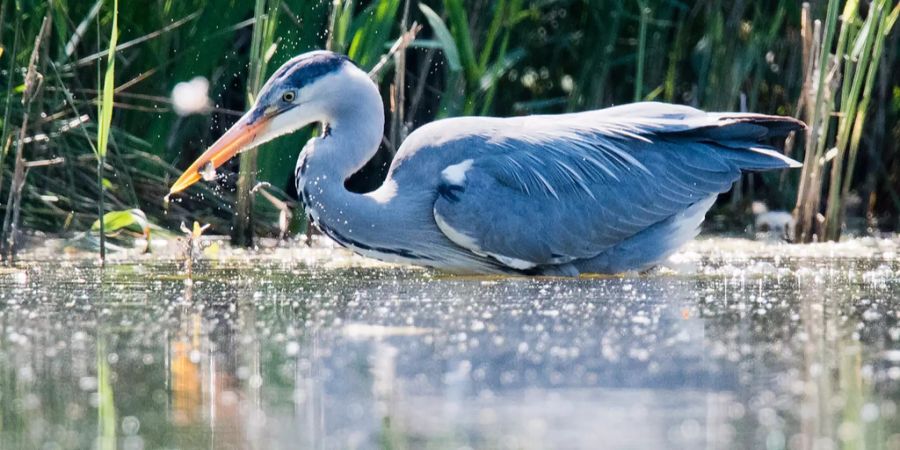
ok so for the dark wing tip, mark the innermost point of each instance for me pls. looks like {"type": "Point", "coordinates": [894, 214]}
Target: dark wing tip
{"type": "Point", "coordinates": [775, 126]}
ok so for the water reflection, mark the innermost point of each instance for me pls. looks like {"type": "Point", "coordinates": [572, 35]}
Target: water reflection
{"type": "Point", "coordinates": [799, 355]}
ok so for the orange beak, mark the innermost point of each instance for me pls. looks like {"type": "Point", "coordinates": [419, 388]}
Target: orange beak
{"type": "Point", "coordinates": [235, 140]}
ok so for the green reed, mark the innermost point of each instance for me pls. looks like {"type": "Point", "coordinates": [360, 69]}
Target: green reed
{"type": "Point", "coordinates": [507, 57]}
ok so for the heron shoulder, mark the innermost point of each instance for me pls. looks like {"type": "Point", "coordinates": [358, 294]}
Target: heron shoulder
{"type": "Point", "coordinates": [444, 132]}
{"type": "Point", "coordinates": [445, 142]}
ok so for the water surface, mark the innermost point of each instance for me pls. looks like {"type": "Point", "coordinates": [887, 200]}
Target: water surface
{"type": "Point", "coordinates": [743, 353]}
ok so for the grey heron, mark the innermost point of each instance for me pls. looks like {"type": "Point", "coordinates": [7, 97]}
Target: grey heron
{"type": "Point", "coordinates": [605, 191]}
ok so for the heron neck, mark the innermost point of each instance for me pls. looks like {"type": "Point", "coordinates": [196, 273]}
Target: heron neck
{"type": "Point", "coordinates": [351, 137]}
{"type": "Point", "coordinates": [352, 116]}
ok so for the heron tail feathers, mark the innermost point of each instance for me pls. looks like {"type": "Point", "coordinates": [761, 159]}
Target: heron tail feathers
{"type": "Point", "coordinates": [745, 139]}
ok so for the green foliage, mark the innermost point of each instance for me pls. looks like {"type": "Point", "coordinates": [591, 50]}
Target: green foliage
{"type": "Point", "coordinates": [372, 31]}
{"type": "Point", "coordinates": [837, 93]}
{"type": "Point", "coordinates": [443, 36]}
{"type": "Point", "coordinates": [114, 221]}
{"type": "Point", "coordinates": [262, 47]}
{"type": "Point", "coordinates": [505, 57]}
{"type": "Point", "coordinates": [105, 112]}
{"type": "Point", "coordinates": [107, 91]}
{"type": "Point", "coordinates": [460, 30]}
{"type": "Point", "coordinates": [473, 80]}
{"type": "Point", "coordinates": [860, 70]}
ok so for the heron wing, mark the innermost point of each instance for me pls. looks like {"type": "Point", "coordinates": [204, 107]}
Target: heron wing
{"type": "Point", "coordinates": [545, 190]}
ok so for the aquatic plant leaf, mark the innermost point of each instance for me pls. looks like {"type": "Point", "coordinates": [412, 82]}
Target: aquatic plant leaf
{"type": "Point", "coordinates": [892, 19]}
{"type": "Point", "coordinates": [108, 89]}
{"type": "Point", "coordinates": [459, 28]}
{"type": "Point", "coordinates": [371, 32]}
{"type": "Point", "coordinates": [425, 43]}
{"type": "Point", "coordinates": [113, 221]}
{"type": "Point", "coordinates": [342, 25]}
{"type": "Point", "coordinates": [443, 36]}
{"type": "Point", "coordinates": [496, 71]}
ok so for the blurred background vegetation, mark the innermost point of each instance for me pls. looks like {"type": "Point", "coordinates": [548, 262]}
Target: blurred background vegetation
{"type": "Point", "coordinates": [483, 57]}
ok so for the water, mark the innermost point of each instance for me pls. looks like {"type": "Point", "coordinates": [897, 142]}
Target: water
{"type": "Point", "coordinates": [726, 351]}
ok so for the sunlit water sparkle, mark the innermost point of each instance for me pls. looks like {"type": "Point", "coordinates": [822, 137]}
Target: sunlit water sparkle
{"type": "Point", "coordinates": [736, 344]}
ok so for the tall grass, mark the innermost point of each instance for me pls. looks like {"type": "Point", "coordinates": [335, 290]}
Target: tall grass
{"type": "Point", "coordinates": [506, 57]}
{"type": "Point", "coordinates": [641, 51]}
{"type": "Point", "coordinates": [837, 93]}
{"type": "Point", "coordinates": [105, 113]}
{"type": "Point", "coordinates": [30, 90]}
{"type": "Point", "coordinates": [860, 71]}
{"type": "Point", "coordinates": [474, 75]}
{"type": "Point", "coordinates": [818, 103]}
{"type": "Point", "coordinates": [262, 46]}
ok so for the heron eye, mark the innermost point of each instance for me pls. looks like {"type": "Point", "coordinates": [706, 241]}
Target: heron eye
{"type": "Point", "coordinates": [288, 96]}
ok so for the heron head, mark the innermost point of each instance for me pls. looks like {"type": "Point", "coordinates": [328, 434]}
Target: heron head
{"type": "Point", "coordinates": [300, 92]}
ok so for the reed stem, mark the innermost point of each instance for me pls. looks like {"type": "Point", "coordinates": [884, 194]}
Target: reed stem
{"type": "Point", "coordinates": [33, 82]}
{"type": "Point", "coordinates": [642, 52]}
{"type": "Point", "coordinates": [819, 105]}
{"type": "Point", "coordinates": [261, 40]}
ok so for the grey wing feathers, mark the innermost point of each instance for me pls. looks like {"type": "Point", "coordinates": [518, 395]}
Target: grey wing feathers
{"type": "Point", "coordinates": [553, 189]}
